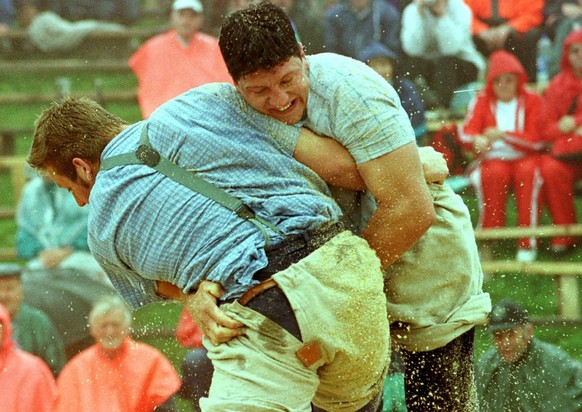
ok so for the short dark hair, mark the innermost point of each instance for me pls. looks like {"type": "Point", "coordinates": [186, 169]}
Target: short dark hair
{"type": "Point", "coordinates": [507, 315]}
{"type": "Point", "coordinates": [72, 127]}
{"type": "Point", "coordinates": [259, 37]}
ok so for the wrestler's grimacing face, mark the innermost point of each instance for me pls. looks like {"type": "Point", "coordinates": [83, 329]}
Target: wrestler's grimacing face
{"type": "Point", "coordinates": [280, 92]}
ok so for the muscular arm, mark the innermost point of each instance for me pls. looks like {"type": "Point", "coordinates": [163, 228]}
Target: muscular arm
{"type": "Point", "coordinates": [404, 206]}
{"type": "Point", "coordinates": [334, 164]}
{"type": "Point", "coordinates": [405, 209]}
{"type": "Point", "coordinates": [329, 159]}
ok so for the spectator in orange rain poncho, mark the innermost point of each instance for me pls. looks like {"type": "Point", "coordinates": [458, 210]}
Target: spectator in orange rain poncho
{"type": "Point", "coordinates": [26, 382]}
{"type": "Point", "coordinates": [173, 62]}
{"type": "Point", "coordinates": [117, 373]}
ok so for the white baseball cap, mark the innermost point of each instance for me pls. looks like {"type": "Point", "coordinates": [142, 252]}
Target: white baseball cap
{"type": "Point", "coordinates": [188, 4]}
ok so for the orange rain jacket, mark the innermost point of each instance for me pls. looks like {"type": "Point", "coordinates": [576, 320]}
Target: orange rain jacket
{"type": "Point", "coordinates": [138, 379]}
{"type": "Point", "coordinates": [166, 69]}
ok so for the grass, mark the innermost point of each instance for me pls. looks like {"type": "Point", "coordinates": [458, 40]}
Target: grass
{"type": "Point", "coordinates": [534, 292]}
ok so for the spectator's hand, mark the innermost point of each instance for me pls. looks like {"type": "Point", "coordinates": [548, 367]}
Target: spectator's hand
{"type": "Point", "coordinates": [204, 310]}
{"type": "Point", "coordinates": [571, 10]}
{"type": "Point", "coordinates": [500, 35]}
{"type": "Point", "coordinates": [481, 144]}
{"type": "Point", "coordinates": [567, 124]}
{"type": "Point", "coordinates": [489, 37]}
{"type": "Point", "coordinates": [493, 134]}
{"type": "Point", "coordinates": [420, 6]}
{"type": "Point", "coordinates": [51, 258]}
{"type": "Point", "coordinates": [439, 8]}
{"type": "Point", "coordinates": [434, 165]}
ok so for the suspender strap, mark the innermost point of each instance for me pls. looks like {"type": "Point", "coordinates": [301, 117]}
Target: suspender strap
{"type": "Point", "coordinates": [147, 155]}
{"type": "Point", "coordinates": [494, 9]}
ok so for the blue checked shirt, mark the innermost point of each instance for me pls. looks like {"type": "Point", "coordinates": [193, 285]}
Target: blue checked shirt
{"type": "Point", "coordinates": [351, 103]}
{"type": "Point", "coordinates": [145, 227]}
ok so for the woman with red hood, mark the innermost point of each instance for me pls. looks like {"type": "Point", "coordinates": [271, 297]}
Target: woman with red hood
{"type": "Point", "coordinates": [26, 382]}
{"type": "Point", "coordinates": [562, 109]}
{"type": "Point", "coordinates": [501, 128]}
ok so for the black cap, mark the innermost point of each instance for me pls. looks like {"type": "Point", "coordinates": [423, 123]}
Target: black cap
{"type": "Point", "coordinates": [507, 315]}
{"type": "Point", "coordinates": [10, 269]}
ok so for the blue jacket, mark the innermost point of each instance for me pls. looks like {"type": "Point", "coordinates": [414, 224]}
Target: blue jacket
{"type": "Point", "coordinates": [7, 12]}
{"type": "Point", "coordinates": [409, 96]}
{"type": "Point", "coordinates": [348, 33]}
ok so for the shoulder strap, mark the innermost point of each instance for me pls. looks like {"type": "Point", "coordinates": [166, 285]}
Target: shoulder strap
{"type": "Point", "coordinates": [147, 155]}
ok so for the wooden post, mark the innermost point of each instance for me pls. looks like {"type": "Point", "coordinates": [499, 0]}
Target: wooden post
{"type": "Point", "coordinates": [568, 297]}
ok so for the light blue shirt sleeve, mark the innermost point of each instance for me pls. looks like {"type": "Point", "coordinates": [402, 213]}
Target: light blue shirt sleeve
{"type": "Point", "coordinates": [351, 103]}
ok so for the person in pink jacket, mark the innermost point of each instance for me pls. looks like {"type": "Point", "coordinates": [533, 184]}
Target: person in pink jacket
{"type": "Point", "coordinates": [173, 62]}
{"type": "Point", "coordinates": [501, 128]}
{"type": "Point", "coordinates": [116, 373]}
{"type": "Point", "coordinates": [26, 382]}
{"type": "Point", "coordinates": [562, 109]}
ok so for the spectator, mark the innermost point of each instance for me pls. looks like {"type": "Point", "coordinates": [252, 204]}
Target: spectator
{"type": "Point", "coordinates": [196, 367]}
{"type": "Point", "coordinates": [50, 32]}
{"type": "Point", "coordinates": [177, 60]}
{"type": "Point", "coordinates": [52, 231]}
{"type": "Point", "coordinates": [502, 130]}
{"type": "Point", "coordinates": [562, 111]}
{"type": "Point", "coordinates": [350, 26]}
{"type": "Point", "coordinates": [436, 38]}
{"type": "Point", "coordinates": [7, 15]}
{"type": "Point", "coordinates": [523, 373]}
{"type": "Point", "coordinates": [307, 25]}
{"type": "Point", "coordinates": [513, 25]}
{"type": "Point", "coordinates": [26, 382]}
{"type": "Point", "coordinates": [561, 17]}
{"type": "Point", "coordinates": [383, 61]}
{"type": "Point", "coordinates": [32, 329]}
{"type": "Point", "coordinates": [116, 373]}
{"type": "Point", "coordinates": [121, 11]}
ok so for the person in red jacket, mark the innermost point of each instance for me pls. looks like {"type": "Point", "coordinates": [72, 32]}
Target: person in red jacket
{"type": "Point", "coordinates": [513, 25]}
{"type": "Point", "coordinates": [26, 382]}
{"type": "Point", "coordinates": [562, 108]}
{"type": "Point", "coordinates": [501, 128]}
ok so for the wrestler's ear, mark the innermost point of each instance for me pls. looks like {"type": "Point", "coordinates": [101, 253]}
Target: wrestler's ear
{"type": "Point", "coordinates": [301, 50]}
{"type": "Point", "coordinates": [84, 169]}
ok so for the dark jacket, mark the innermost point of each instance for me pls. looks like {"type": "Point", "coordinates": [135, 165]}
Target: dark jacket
{"type": "Point", "coordinates": [545, 379]}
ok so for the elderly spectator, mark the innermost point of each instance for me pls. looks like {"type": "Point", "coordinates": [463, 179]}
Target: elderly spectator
{"type": "Point", "coordinates": [116, 373]}
{"type": "Point", "coordinates": [523, 373]}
